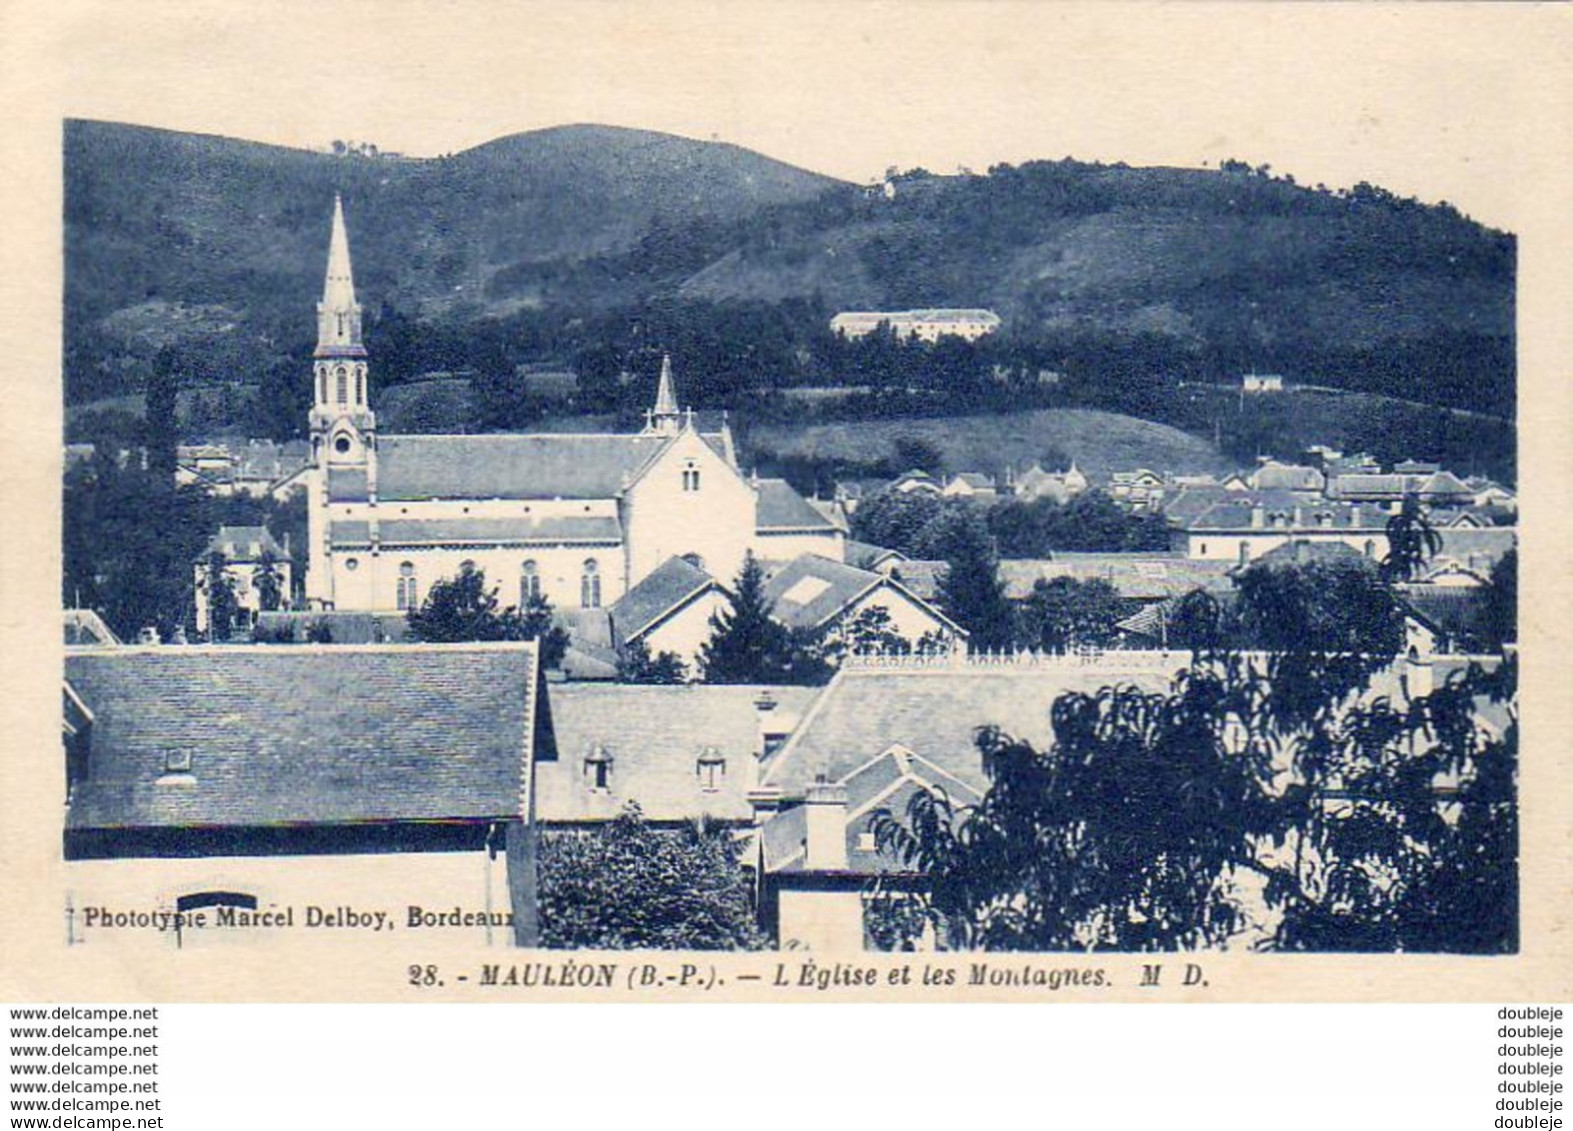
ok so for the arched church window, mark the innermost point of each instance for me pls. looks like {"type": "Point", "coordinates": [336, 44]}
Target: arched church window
{"type": "Point", "coordinates": [360, 384]}
{"type": "Point", "coordinates": [529, 583]}
{"type": "Point", "coordinates": [343, 384]}
{"type": "Point", "coordinates": [691, 477]}
{"type": "Point", "coordinates": [405, 592]}
{"type": "Point", "coordinates": [590, 585]}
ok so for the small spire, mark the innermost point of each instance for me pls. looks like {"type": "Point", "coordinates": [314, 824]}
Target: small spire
{"type": "Point", "coordinates": [665, 396]}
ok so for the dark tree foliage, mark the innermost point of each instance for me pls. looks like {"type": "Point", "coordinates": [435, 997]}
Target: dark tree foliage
{"type": "Point", "coordinates": [971, 593]}
{"type": "Point", "coordinates": [1068, 613]}
{"type": "Point", "coordinates": [162, 426]}
{"type": "Point", "coordinates": [630, 885]}
{"type": "Point", "coordinates": [747, 645]}
{"type": "Point", "coordinates": [220, 593]}
{"type": "Point", "coordinates": [1411, 539]}
{"type": "Point", "coordinates": [1496, 611]}
{"type": "Point", "coordinates": [1310, 795]}
{"type": "Point", "coordinates": [635, 664]}
{"type": "Point", "coordinates": [1089, 523]}
{"type": "Point", "coordinates": [269, 582]}
{"type": "Point", "coordinates": [872, 632]}
{"type": "Point", "coordinates": [463, 608]}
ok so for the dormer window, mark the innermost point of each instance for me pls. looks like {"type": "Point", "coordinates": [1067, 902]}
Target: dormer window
{"type": "Point", "coordinates": [711, 769]}
{"type": "Point", "coordinates": [598, 768]}
{"type": "Point", "coordinates": [177, 761]}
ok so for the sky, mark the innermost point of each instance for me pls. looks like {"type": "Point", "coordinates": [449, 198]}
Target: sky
{"type": "Point", "coordinates": [1427, 100]}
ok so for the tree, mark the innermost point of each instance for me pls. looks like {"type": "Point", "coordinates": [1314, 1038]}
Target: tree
{"type": "Point", "coordinates": [1158, 820]}
{"type": "Point", "coordinates": [747, 645]}
{"type": "Point", "coordinates": [636, 665]}
{"type": "Point", "coordinates": [269, 583]}
{"type": "Point", "coordinates": [219, 590]}
{"type": "Point", "coordinates": [163, 429]}
{"type": "Point", "coordinates": [1496, 610]}
{"type": "Point", "coordinates": [463, 609]}
{"type": "Point", "coordinates": [629, 885]}
{"type": "Point", "coordinates": [872, 632]}
{"type": "Point", "coordinates": [971, 592]}
{"type": "Point", "coordinates": [1066, 613]}
{"type": "Point", "coordinates": [1411, 539]}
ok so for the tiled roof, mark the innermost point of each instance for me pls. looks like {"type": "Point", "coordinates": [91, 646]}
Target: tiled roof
{"type": "Point", "coordinates": [245, 544]}
{"type": "Point", "coordinates": [85, 628]}
{"type": "Point", "coordinates": [887, 781]}
{"type": "Point", "coordinates": [1143, 577]}
{"type": "Point", "coordinates": [921, 576]}
{"type": "Point", "coordinates": [1299, 516]}
{"type": "Point", "coordinates": [866, 555]}
{"type": "Point", "coordinates": [782, 508]}
{"type": "Point", "coordinates": [810, 590]}
{"type": "Point", "coordinates": [935, 713]}
{"type": "Point", "coordinates": [655, 736]}
{"type": "Point", "coordinates": [540, 466]}
{"type": "Point", "coordinates": [480, 531]}
{"type": "Point", "coordinates": [1293, 477]}
{"type": "Point", "coordinates": [670, 585]}
{"type": "Point", "coordinates": [304, 735]}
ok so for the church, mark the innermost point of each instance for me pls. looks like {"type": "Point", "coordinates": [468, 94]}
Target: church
{"type": "Point", "coordinates": [578, 519]}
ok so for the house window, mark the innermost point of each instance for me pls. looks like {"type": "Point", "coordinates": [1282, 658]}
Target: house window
{"type": "Point", "coordinates": [598, 768]}
{"type": "Point", "coordinates": [590, 585]}
{"type": "Point", "coordinates": [343, 384]}
{"type": "Point", "coordinates": [406, 586]}
{"type": "Point", "coordinates": [691, 478]}
{"type": "Point", "coordinates": [711, 769]}
{"type": "Point", "coordinates": [529, 583]}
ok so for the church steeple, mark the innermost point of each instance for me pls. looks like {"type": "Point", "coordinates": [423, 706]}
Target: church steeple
{"type": "Point", "coordinates": [338, 314]}
{"type": "Point", "coordinates": [343, 428]}
{"type": "Point", "coordinates": [664, 418]}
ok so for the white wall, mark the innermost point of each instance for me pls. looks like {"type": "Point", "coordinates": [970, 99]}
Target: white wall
{"type": "Point", "coordinates": [1225, 546]}
{"type": "Point", "coordinates": [785, 547]}
{"type": "Point", "coordinates": [661, 520]}
{"type": "Point", "coordinates": [685, 632]}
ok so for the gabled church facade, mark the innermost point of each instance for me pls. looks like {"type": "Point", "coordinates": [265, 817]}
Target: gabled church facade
{"type": "Point", "coordinates": [576, 519]}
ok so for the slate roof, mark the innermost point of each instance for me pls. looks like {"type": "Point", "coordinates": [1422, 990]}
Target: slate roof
{"type": "Point", "coordinates": [1142, 577]}
{"type": "Point", "coordinates": [1185, 507]}
{"type": "Point", "coordinates": [1480, 547]}
{"type": "Point", "coordinates": [344, 626]}
{"type": "Point", "coordinates": [1235, 516]}
{"type": "Point", "coordinates": [480, 531]}
{"type": "Point", "coordinates": [866, 555]}
{"type": "Point", "coordinates": [887, 781]}
{"type": "Point", "coordinates": [655, 736]}
{"type": "Point", "coordinates": [669, 586]}
{"type": "Point", "coordinates": [347, 484]}
{"type": "Point", "coordinates": [537, 466]}
{"type": "Point", "coordinates": [236, 542]}
{"type": "Point", "coordinates": [838, 585]}
{"type": "Point", "coordinates": [84, 628]}
{"type": "Point", "coordinates": [304, 735]}
{"type": "Point", "coordinates": [1304, 551]}
{"type": "Point", "coordinates": [920, 576]}
{"type": "Point", "coordinates": [780, 507]}
{"type": "Point", "coordinates": [1292, 477]}
{"type": "Point", "coordinates": [935, 713]}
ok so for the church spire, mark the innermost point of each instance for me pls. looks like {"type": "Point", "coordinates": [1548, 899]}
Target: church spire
{"type": "Point", "coordinates": [664, 417]}
{"type": "Point", "coordinates": [338, 314]}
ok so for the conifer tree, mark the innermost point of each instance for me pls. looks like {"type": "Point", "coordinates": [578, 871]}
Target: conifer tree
{"type": "Point", "coordinates": [747, 645]}
{"type": "Point", "coordinates": [971, 591]}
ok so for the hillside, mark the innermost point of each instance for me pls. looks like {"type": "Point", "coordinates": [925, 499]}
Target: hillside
{"type": "Point", "coordinates": [1099, 442]}
{"type": "Point", "coordinates": [566, 240]}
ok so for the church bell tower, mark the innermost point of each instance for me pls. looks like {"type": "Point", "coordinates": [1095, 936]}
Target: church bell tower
{"type": "Point", "coordinates": [343, 427]}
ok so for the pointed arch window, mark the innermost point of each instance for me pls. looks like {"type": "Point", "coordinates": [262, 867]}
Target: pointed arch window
{"type": "Point", "coordinates": [343, 389]}
{"type": "Point", "coordinates": [360, 384]}
{"type": "Point", "coordinates": [691, 476]}
{"type": "Point", "coordinates": [590, 584]}
{"type": "Point", "coordinates": [405, 592]}
{"type": "Point", "coordinates": [529, 583]}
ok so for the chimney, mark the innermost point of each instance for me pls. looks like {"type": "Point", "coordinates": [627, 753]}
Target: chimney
{"type": "Point", "coordinates": [1418, 678]}
{"type": "Point", "coordinates": [1258, 518]}
{"type": "Point", "coordinates": [1354, 517]}
{"type": "Point", "coordinates": [825, 806]}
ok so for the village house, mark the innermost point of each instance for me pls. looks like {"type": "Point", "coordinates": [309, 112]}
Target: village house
{"type": "Point", "coordinates": [249, 552]}
{"type": "Point", "coordinates": [822, 596]}
{"type": "Point", "coordinates": [576, 519]}
{"type": "Point", "coordinates": [1245, 528]}
{"type": "Point", "coordinates": [1036, 483]}
{"type": "Point", "coordinates": [277, 779]}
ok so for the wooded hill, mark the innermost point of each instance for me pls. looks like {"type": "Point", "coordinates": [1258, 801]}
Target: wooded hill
{"type": "Point", "coordinates": [548, 244]}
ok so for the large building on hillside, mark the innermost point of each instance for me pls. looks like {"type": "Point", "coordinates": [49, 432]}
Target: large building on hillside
{"type": "Point", "coordinates": [925, 325]}
{"type": "Point", "coordinates": [576, 519]}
